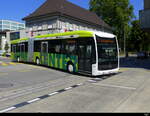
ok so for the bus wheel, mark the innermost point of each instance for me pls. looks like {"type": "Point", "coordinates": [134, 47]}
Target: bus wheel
{"type": "Point", "coordinates": [37, 61]}
{"type": "Point", "coordinates": [70, 68]}
{"type": "Point", "coordinates": [18, 59]}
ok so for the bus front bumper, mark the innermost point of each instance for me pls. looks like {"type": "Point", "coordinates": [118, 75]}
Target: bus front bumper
{"type": "Point", "coordinates": [96, 72]}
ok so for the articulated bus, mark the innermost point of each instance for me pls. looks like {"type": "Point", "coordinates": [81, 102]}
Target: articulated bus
{"type": "Point", "coordinates": [91, 53]}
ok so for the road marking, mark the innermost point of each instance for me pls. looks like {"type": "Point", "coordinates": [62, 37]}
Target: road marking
{"type": "Point", "coordinates": [80, 84]}
{"type": "Point", "coordinates": [92, 81]}
{"type": "Point", "coordinates": [8, 109]}
{"type": "Point", "coordinates": [38, 67]}
{"type": "Point", "coordinates": [24, 70]}
{"type": "Point", "coordinates": [34, 100]}
{"type": "Point", "coordinates": [12, 63]}
{"type": "Point", "coordinates": [7, 63]}
{"type": "Point", "coordinates": [68, 88]}
{"type": "Point", "coordinates": [39, 98]}
{"type": "Point", "coordinates": [4, 64]}
{"type": "Point", "coordinates": [51, 94]}
{"type": "Point", "coordinates": [116, 86]}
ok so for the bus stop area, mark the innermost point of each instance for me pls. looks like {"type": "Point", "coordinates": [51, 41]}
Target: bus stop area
{"type": "Point", "coordinates": [31, 88]}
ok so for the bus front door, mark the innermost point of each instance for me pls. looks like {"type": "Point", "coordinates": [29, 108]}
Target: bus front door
{"type": "Point", "coordinates": [84, 58]}
{"type": "Point", "coordinates": [44, 53]}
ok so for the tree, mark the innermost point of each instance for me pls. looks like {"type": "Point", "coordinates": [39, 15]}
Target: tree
{"type": "Point", "coordinates": [139, 40]}
{"type": "Point", "coordinates": [117, 13]}
{"type": "Point", "coordinates": [6, 47]}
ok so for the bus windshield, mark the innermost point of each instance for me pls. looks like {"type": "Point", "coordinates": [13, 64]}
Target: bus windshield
{"type": "Point", "coordinates": [107, 53]}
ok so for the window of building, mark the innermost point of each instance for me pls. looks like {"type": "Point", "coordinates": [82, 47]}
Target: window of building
{"type": "Point", "coordinates": [6, 22]}
{"type": "Point", "coordinates": [21, 25]}
{"type": "Point", "coordinates": [13, 24]}
{"type": "Point", "coordinates": [14, 28]}
{"type": "Point", "coordinates": [50, 26]}
{"type": "Point", "coordinates": [14, 35]}
{"type": "Point", "coordinates": [30, 29]}
{"type": "Point", "coordinates": [6, 27]}
{"type": "Point", "coordinates": [20, 28]}
{"type": "Point", "coordinates": [0, 22]}
{"type": "Point", "coordinates": [40, 28]}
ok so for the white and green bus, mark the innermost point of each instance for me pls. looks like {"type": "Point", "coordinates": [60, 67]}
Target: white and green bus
{"type": "Point", "coordinates": [91, 53]}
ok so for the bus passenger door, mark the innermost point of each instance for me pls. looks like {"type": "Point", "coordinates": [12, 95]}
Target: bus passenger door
{"type": "Point", "coordinates": [13, 52]}
{"type": "Point", "coordinates": [14, 48]}
{"type": "Point", "coordinates": [81, 51]}
{"type": "Point", "coordinates": [84, 57]}
{"type": "Point", "coordinates": [88, 59]}
{"type": "Point", "coordinates": [22, 52]}
{"type": "Point", "coordinates": [44, 53]}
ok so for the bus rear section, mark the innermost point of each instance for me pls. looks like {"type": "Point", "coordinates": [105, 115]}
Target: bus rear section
{"type": "Point", "coordinates": [107, 55]}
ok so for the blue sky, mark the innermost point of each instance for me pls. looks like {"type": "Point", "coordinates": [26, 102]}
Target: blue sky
{"type": "Point", "coordinates": [17, 9]}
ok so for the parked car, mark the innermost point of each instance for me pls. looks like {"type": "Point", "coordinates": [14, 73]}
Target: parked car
{"type": "Point", "coordinates": [8, 54]}
{"type": "Point", "coordinates": [142, 55]}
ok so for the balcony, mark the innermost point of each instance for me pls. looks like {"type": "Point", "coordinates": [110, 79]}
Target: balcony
{"type": "Point", "coordinates": [145, 19]}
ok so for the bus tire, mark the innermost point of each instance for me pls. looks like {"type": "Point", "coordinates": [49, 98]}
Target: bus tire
{"type": "Point", "coordinates": [18, 59]}
{"type": "Point", "coordinates": [70, 68]}
{"type": "Point", "coordinates": [37, 61]}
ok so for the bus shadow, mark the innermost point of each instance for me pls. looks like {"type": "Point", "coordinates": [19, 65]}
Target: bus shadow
{"type": "Point", "coordinates": [102, 77]}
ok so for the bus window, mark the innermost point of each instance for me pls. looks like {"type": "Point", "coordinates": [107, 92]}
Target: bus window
{"type": "Point", "coordinates": [69, 47]}
{"type": "Point", "coordinates": [88, 51]}
{"type": "Point", "coordinates": [18, 48]}
{"type": "Point", "coordinates": [22, 47]}
{"type": "Point", "coordinates": [37, 46]}
{"type": "Point", "coordinates": [107, 53]}
{"type": "Point", "coordinates": [26, 47]}
{"type": "Point", "coordinates": [55, 46]}
{"type": "Point", "coordinates": [58, 48]}
{"type": "Point", "coordinates": [13, 48]}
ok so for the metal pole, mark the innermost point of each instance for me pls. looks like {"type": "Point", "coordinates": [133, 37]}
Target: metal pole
{"type": "Point", "coordinates": [124, 42]}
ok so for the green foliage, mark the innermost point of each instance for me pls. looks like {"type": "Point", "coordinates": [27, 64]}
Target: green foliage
{"type": "Point", "coordinates": [117, 13]}
{"type": "Point", "coordinates": [4, 54]}
{"type": "Point", "coordinates": [114, 12]}
{"type": "Point", "coordinates": [139, 40]}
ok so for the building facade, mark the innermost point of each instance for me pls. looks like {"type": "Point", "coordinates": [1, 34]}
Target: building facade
{"type": "Point", "coordinates": [6, 26]}
{"type": "Point", "coordinates": [56, 16]}
{"type": "Point", "coordinates": [10, 25]}
{"type": "Point", "coordinates": [145, 16]}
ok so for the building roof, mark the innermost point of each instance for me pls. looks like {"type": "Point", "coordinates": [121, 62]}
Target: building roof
{"type": "Point", "coordinates": [63, 7]}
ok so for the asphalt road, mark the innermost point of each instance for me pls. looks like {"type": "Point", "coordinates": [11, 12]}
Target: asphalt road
{"type": "Point", "coordinates": [31, 88]}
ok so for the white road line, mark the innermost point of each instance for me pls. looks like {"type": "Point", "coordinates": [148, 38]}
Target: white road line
{"type": "Point", "coordinates": [8, 109]}
{"type": "Point", "coordinates": [92, 81]}
{"type": "Point", "coordinates": [34, 100]}
{"type": "Point", "coordinates": [68, 88]}
{"type": "Point", "coordinates": [80, 84]}
{"type": "Point", "coordinates": [53, 93]}
{"type": "Point", "coordinates": [116, 86]}
{"type": "Point", "coordinates": [37, 99]}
